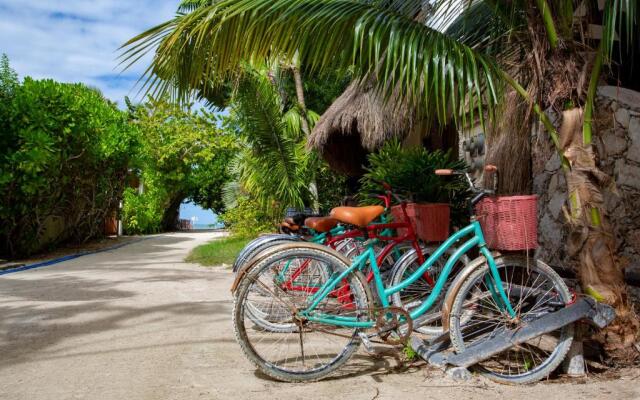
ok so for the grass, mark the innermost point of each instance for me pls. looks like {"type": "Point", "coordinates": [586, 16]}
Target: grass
{"type": "Point", "coordinates": [218, 252]}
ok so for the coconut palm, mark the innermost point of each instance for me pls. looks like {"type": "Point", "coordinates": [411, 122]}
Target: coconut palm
{"type": "Point", "coordinates": [450, 58]}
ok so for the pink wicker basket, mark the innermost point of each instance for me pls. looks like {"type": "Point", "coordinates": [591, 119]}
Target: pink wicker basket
{"type": "Point", "coordinates": [509, 222]}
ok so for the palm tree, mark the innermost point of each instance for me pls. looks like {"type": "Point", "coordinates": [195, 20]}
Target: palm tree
{"type": "Point", "coordinates": [187, 6]}
{"type": "Point", "coordinates": [414, 48]}
{"type": "Point", "coordinates": [273, 164]}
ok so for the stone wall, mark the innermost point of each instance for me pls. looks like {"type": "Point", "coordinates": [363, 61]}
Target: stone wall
{"type": "Point", "coordinates": [617, 140]}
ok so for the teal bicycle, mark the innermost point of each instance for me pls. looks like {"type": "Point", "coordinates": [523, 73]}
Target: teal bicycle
{"type": "Point", "coordinates": [339, 312]}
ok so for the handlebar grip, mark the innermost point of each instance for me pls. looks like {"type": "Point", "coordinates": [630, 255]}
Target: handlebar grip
{"type": "Point", "coordinates": [490, 168]}
{"type": "Point", "coordinates": [444, 172]}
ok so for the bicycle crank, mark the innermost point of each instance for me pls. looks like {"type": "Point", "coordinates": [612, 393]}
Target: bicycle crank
{"type": "Point", "coordinates": [394, 325]}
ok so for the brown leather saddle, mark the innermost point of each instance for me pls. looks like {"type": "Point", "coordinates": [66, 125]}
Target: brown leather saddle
{"type": "Point", "coordinates": [358, 216]}
{"type": "Point", "coordinates": [321, 224]}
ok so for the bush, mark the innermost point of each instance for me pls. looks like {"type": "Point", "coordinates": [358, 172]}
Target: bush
{"type": "Point", "coordinates": [411, 173]}
{"type": "Point", "coordinates": [247, 219]}
{"type": "Point", "coordinates": [142, 213]}
{"type": "Point", "coordinates": [64, 152]}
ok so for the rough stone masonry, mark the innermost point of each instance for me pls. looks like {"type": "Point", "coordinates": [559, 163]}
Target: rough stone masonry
{"type": "Point", "coordinates": [617, 141]}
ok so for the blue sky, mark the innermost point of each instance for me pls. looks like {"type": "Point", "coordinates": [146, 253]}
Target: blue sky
{"type": "Point", "coordinates": [203, 217]}
{"type": "Point", "coordinates": [77, 40]}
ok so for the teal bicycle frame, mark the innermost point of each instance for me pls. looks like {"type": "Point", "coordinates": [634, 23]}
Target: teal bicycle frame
{"type": "Point", "coordinates": [321, 238]}
{"type": "Point", "coordinates": [477, 239]}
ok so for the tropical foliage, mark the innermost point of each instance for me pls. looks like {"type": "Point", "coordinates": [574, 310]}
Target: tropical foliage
{"type": "Point", "coordinates": [182, 155]}
{"type": "Point", "coordinates": [534, 47]}
{"type": "Point", "coordinates": [273, 165]}
{"type": "Point", "coordinates": [64, 152]}
{"type": "Point", "coordinates": [371, 37]}
{"type": "Point", "coordinates": [411, 174]}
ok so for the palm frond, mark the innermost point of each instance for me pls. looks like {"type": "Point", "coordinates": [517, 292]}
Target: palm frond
{"type": "Point", "coordinates": [187, 6]}
{"type": "Point", "coordinates": [274, 166]}
{"type": "Point", "coordinates": [231, 193]}
{"type": "Point", "coordinates": [431, 69]}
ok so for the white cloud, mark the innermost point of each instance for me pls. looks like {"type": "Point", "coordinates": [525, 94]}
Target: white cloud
{"type": "Point", "coordinates": [77, 40]}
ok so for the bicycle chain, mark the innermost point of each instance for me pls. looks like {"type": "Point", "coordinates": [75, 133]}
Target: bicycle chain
{"type": "Point", "coordinates": [383, 329]}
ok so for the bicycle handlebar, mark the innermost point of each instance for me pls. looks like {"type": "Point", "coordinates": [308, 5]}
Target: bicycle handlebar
{"type": "Point", "coordinates": [489, 168]}
{"type": "Point", "coordinates": [479, 193]}
{"type": "Point", "coordinates": [388, 194]}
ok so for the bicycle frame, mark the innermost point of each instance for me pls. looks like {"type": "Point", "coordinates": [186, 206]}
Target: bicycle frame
{"type": "Point", "coordinates": [477, 239]}
{"type": "Point", "coordinates": [369, 232]}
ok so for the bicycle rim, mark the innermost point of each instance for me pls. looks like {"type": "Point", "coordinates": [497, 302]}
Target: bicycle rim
{"type": "Point", "coordinates": [305, 351]}
{"type": "Point", "coordinates": [533, 291]}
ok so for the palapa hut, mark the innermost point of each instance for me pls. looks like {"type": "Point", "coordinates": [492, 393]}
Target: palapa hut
{"type": "Point", "coordinates": [360, 121]}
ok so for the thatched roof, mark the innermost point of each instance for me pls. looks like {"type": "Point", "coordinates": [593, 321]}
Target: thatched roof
{"type": "Point", "coordinates": [359, 122]}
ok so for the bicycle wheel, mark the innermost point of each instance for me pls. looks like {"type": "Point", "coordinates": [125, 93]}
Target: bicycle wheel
{"type": "Point", "coordinates": [416, 293]}
{"type": "Point", "coordinates": [289, 275]}
{"type": "Point", "coordinates": [533, 290]}
{"type": "Point", "coordinates": [308, 351]}
{"type": "Point", "coordinates": [257, 245]}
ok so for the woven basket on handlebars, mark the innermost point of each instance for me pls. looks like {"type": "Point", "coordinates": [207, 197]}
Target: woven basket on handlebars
{"type": "Point", "coordinates": [509, 222]}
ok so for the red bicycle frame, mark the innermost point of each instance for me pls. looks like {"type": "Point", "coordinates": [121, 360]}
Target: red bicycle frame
{"type": "Point", "coordinates": [371, 231]}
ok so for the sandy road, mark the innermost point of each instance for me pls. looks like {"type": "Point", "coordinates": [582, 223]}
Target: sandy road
{"type": "Point", "coordinates": [139, 323]}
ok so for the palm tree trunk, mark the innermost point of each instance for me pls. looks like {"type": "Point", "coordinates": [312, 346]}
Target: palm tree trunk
{"type": "Point", "coordinates": [297, 77]}
{"type": "Point", "coordinates": [592, 240]}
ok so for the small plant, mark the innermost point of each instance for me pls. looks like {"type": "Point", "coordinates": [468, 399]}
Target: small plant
{"type": "Point", "coordinates": [411, 173]}
{"type": "Point", "coordinates": [409, 353]}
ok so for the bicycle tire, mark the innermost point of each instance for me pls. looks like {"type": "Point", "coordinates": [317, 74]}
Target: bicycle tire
{"type": "Point", "coordinates": [270, 367]}
{"type": "Point", "coordinates": [565, 334]}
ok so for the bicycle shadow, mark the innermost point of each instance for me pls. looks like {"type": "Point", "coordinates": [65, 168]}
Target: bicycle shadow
{"type": "Point", "coordinates": [387, 362]}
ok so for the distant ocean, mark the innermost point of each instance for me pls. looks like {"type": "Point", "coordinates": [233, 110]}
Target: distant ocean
{"type": "Point", "coordinates": [207, 226]}
{"type": "Point", "coordinates": [201, 219]}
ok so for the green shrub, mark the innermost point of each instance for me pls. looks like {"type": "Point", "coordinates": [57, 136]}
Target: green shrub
{"type": "Point", "coordinates": [142, 213]}
{"type": "Point", "coordinates": [64, 153]}
{"type": "Point", "coordinates": [411, 173]}
{"type": "Point", "coordinates": [247, 219]}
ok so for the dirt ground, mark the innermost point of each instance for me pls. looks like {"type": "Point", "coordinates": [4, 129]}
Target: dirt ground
{"type": "Point", "coordinates": [139, 323]}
